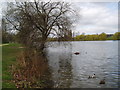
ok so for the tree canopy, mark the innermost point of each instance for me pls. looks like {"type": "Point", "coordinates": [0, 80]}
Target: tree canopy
{"type": "Point", "coordinates": [36, 21]}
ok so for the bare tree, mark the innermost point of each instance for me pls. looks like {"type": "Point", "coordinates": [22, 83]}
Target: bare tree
{"type": "Point", "coordinates": [36, 21]}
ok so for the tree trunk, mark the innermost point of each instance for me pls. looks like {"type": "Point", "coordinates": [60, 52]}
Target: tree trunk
{"type": "Point", "coordinates": [42, 43]}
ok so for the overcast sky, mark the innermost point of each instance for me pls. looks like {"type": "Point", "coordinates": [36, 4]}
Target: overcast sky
{"type": "Point", "coordinates": [94, 17]}
{"type": "Point", "coordinates": [97, 17]}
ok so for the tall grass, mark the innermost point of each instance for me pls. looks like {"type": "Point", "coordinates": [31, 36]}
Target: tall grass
{"type": "Point", "coordinates": [30, 70]}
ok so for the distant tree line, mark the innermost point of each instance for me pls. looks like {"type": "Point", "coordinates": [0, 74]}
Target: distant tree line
{"type": "Point", "coordinates": [7, 36]}
{"type": "Point", "coordinates": [10, 37]}
{"type": "Point", "coordinates": [93, 37]}
{"type": "Point", "coordinates": [96, 37]}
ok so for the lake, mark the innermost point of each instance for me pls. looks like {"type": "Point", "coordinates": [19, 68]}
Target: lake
{"type": "Point", "coordinates": [72, 71]}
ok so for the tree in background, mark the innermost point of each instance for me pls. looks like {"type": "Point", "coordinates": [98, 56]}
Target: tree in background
{"type": "Point", "coordinates": [102, 36]}
{"type": "Point", "coordinates": [80, 37]}
{"type": "Point", "coordinates": [116, 36]}
{"type": "Point", "coordinates": [4, 32]}
{"type": "Point", "coordinates": [7, 36]}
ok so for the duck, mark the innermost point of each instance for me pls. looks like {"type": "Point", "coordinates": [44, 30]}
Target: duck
{"type": "Point", "coordinates": [102, 81]}
{"type": "Point", "coordinates": [89, 77]}
{"type": "Point", "coordinates": [93, 76]}
{"type": "Point", "coordinates": [76, 53]}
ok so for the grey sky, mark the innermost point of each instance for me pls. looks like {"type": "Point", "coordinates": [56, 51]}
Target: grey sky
{"type": "Point", "coordinates": [94, 17]}
{"type": "Point", "coordinates": [97, 17]}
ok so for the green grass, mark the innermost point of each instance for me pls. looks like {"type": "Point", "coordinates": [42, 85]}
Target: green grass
{"type": "Point", "coordinates": [9, 54]}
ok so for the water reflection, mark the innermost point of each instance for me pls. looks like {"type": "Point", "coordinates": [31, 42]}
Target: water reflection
{"type": "Point", "coordinates": [60, 62]}
{"type": "Point", "coordinates": [65, 70]}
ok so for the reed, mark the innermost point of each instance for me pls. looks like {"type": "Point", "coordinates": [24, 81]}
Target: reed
{"type": "Point", "coordinates": [29, 70]}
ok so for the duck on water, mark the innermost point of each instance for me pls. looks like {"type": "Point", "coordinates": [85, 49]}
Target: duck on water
{"type": "Point", "coordinates": [76, 53]}
{"type": "Point", "coordinates": [102, 81]}
{"type": "Point", "coordinates": [93, 76]}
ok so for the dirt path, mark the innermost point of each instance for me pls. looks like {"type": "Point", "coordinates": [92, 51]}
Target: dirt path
{"type": "Point", "coordinates": [3, 44]}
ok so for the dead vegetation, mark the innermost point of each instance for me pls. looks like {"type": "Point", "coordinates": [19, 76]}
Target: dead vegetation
{"type": "Point", "coordinates": [31, 70]}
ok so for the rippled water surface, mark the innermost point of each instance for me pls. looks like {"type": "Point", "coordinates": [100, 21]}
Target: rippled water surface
{"type": "Point", "coordinates": [96, 57]}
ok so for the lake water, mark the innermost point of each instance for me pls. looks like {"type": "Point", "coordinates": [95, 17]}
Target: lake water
{"type": "Point", "coordinates": [96, 57]}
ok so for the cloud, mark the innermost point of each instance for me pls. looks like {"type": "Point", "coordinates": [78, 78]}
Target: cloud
{"type": "Point", "coordinates": [94, 18]}
{"type": "Point", "coordinates": [97, 17]}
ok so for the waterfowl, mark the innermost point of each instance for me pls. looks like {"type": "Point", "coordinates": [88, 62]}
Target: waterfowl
{"type": "Point", "coordinates": [76, 53]}
{"type": "Point", "coordinates": [102, 81]}
{"type": "Point", "coordinates": [93, 76]}
{"type": "Point", "coordinates": [89, 77]}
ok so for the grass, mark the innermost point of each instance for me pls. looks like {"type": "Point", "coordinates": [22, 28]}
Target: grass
{"type": "Point", "coordinates": [9, 54]}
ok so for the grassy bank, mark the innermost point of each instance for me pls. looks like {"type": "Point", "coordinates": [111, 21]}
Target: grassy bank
{"type": "Point", "coordinates": [24, 68]}
{"type": "Point", "coordinates": [9, 54]}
